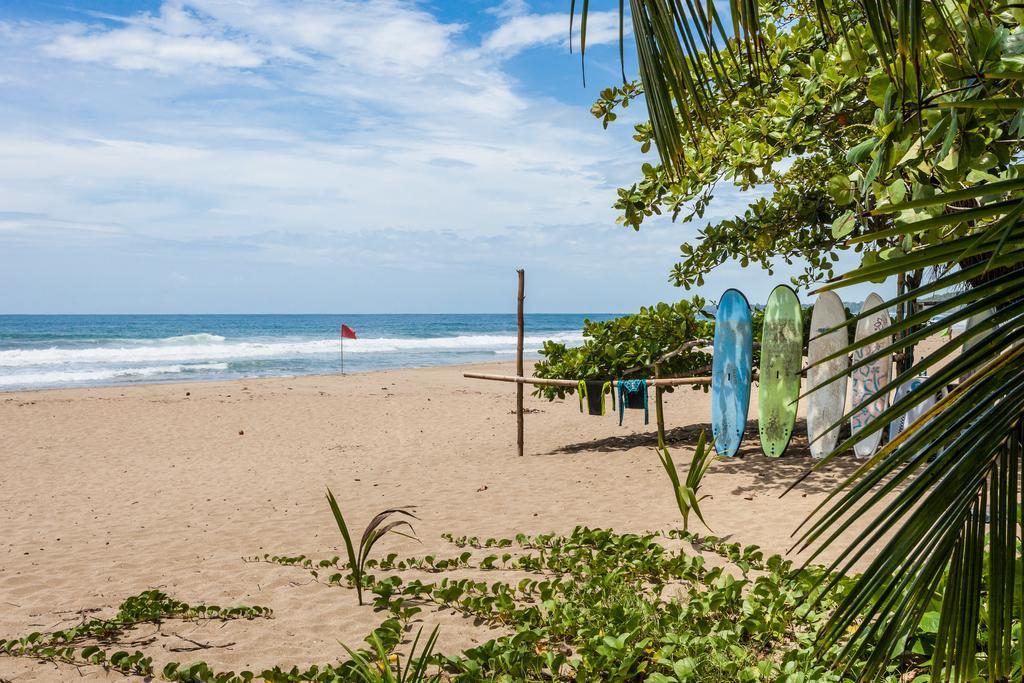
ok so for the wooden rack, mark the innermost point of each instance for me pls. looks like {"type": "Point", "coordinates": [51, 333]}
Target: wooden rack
{"type": "Point", "coordinates": [572, 383]}
{"type": "Point", "coordinates": [659, 383]}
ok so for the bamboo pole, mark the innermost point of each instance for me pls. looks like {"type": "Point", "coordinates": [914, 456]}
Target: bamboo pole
{"type": "Point", "coordinates": [658, 410]}
{"type": "Point", "coordinates": [519, 360]}
{"type": "Point", "coordinates": [572, 383]}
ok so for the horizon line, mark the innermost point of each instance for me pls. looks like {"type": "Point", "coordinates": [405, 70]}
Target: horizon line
{"type": "Point", "coordinates": [335, 314]}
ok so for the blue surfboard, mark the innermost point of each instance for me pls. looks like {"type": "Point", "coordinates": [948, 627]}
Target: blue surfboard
{"type": "Point", "coordinates": [731, 371]}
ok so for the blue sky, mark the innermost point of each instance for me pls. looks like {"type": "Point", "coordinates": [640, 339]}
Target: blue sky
{"type": "Point", "coordinates": [319, 156]}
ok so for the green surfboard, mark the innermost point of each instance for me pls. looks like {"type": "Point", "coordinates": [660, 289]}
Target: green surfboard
{"type": "Point", "coordinates": [781, 360]}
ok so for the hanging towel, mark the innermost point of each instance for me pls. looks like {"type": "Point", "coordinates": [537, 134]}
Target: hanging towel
{"type": "Point", "coordinates": [593, 392]}
{"type": "Point", "coordinates": [609, 388]}
{"type": "Point", "coordinates": [632, 395]}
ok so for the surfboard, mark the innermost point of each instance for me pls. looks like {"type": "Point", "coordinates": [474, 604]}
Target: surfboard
{"type": "Point", "coordinates": [970, 342]}
{"type": "Point", "coordinates": [914, 414]}
{"type": "Point", "coordinates": [779, 382]}
{"type": "Point", "coordinates": [827, 404]}
{"type": "Point", "coordinates": [732, 360]}
{"type": "Point", "coordinates": [867, 380]}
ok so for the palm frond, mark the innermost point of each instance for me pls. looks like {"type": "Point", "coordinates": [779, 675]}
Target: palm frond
{"type": "Point", "coordinates": [945, 493]}
{"type": "Point", "coordinates": [682, 47]}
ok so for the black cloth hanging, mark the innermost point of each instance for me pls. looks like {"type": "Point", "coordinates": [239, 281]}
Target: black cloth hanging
{"type": "Point", "coordinates": [592, 393]}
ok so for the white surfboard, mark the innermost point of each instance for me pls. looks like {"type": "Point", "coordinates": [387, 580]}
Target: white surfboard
{"type": "Point", "coordinates": [914, 414]}
{"type": "Point", "coordinates": [825, 406]}
{"type": "Point", "coordinates": [867, 380]}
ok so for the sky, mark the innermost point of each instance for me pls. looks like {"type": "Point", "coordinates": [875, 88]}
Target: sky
{"type": "Point", "coordinates": [286, 156]}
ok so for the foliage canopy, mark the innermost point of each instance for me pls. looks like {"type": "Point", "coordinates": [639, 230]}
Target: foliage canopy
{"type": "Point", "coordinates": [629, 346]}
{"type": "Point", "coordinates": [772, 140]}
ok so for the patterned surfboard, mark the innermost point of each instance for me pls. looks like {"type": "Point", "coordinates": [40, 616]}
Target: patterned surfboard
{"type": "Point", "coordinates": [731, 371]}
{"type": "Point", "coordinates": [827, 404]}
{"type": "Point", "coordinates": [779, 382]}
{"type": "Point", "coordinates": [867, 380]}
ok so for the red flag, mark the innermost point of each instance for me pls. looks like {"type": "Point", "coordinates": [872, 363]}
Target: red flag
{"type": "Point", "coordinates": [347, 332]}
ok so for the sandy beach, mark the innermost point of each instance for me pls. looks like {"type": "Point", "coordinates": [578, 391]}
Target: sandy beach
{"type": "Point", "coordinates": [272, 265]}
{"type": "Point", "coordinates": [105, 492]}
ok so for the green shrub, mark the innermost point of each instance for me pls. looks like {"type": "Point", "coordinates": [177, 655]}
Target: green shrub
{"type": "Point", "coordinates": [629, 346]}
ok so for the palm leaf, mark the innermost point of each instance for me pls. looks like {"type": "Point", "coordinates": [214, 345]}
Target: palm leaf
{"type": "Point", "coordinates": [923, 499]}
{"type": "Point", "coordinates": [681, 47]}
{"type": "Point", "coordinates": [347, 537]}
{"type": "Point", "coordinates": [374, 531]}
{"type": "Point", "coordinates": [686, 494]}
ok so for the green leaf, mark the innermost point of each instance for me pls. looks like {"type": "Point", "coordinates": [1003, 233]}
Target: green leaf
{"type": "Point", "coordinates": [840, 189]}
{"type": "Point", "coordinates": [877, 87]}
{"type": "Point", "coordinates": [844, 225]}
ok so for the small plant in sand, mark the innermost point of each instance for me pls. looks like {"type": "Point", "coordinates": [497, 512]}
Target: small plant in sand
{"type": "Point", "coordinates": [379, 669]}
{"type": "Point", "coordinates": [686, 496]}
{"type": "Point", "coordinates": [91, 642]}
{"type": "Point", "coordinates": [374, 531]}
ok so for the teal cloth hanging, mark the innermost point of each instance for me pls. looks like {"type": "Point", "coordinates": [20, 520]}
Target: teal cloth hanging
{"type": "Point", "coordinates": [633, 395]}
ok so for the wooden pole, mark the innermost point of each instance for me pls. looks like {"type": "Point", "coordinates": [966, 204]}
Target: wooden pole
{"type": "Point", "coordinates": [572, 383]}
{"type": "Point", "coordinates": [659, 412]}
{"type": "Point", "coordinates": [519, 359]}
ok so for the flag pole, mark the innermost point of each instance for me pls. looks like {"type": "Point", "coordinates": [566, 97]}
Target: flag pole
{"type": "Point", "coordinates": [345, 331]}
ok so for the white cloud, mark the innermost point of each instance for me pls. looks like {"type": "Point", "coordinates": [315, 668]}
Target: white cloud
{"type": "Point", "coordinates": [292, 130]}
{"type": "Point", "coordinates": [346, 115]}
{"type": "Point", "coordinates": [379, 37]}
{"type": "Point", "coordinates": [509, 8]}
{"type": "Point", "coordinates": [389, 53]}
{"type": "Point", "coordinates": [383, 36]}
{"type": "Point", "coordinates": [133, 48]}
{"type": "Point", "coordinates": [522, 31]}
{"type": "Point", "coordinates": [173, 41]}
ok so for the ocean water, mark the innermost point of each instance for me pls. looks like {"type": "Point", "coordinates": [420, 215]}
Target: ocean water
{"type": "Point", "coordinates": [43, 351]}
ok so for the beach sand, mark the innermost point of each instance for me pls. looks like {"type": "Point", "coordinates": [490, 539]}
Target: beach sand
{"type": "Point", "coordinates": [106, 492]}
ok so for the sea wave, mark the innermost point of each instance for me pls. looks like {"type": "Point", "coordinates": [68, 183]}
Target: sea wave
{"type": "Point", "coordinates": [186, 339]}
{"type": "Point", "coordinates": [207, 347]}
{"type": "Point", "coordinates": [510, 352]}
{"type": "Point", "coordinates": [74, 376]}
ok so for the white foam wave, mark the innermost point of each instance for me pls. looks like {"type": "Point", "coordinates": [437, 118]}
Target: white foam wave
{"type": "Point", "coordinates": [200, 338]}
{"type": "Point", "coordinates": [211, 350]}
{"type": "Point", "coordinates": [73, 376]}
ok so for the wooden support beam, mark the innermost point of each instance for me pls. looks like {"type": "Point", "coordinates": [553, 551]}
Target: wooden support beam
{"type": "Point", "coordinates": [572, 383]}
